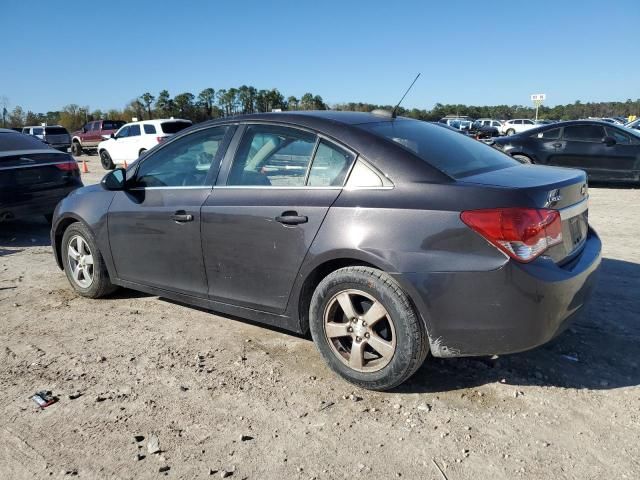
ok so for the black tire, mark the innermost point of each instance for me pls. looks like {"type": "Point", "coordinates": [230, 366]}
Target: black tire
{"type": "Point", "coordinates": [101, 284]}
{"type": "Point", "coordinates": [141, 152]}
{"type": "Point", "coordinates": [409, 332]}
{"type": "Point", "coordinates": [511, 131]}
{"type": "Point", "coordinates": [76, 149]}
{"type": "Point", "coordinates": [105, 160]}
{"type": "Point", "coordinates": [522, 159]}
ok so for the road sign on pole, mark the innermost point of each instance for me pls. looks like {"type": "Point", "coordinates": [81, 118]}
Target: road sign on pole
{"type": "Point", "coordinates": [538, 99]}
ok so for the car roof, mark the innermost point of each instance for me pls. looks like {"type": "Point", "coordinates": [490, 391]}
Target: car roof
{"type": "Point", "coordinates": [157, 120]}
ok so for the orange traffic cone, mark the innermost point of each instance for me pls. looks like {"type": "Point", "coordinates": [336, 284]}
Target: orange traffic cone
{"type": "Point", "coordinates": [85, 169]}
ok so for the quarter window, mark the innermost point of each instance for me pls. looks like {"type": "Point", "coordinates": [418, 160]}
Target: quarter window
{"type": "Point", "coordinates": [584, 133]}
{"type": "Point", "coordinates": [330, 166]}
{"type": "Point", "coordinates": [185, 162]}
{"type": "Point", "coordinates": [272, 156]}
{"type": "Point", "coordinates": [364, 176]}
{"type": "Point", "coordinates": [149, 129]}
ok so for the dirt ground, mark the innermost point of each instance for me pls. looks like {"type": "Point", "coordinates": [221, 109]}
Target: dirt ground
{"type": "Point", "coordinates": [224, 397]}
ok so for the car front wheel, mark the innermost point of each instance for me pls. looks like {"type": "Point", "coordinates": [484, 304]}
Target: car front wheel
{"type": "Point", "coordinates": [511, 131]}
{"type": "Point", "coordinates": [522, 159]}
{"type": "Point", "coordinates": [366, 329]}
{"type": "Point", "coordinates": [83, 263]}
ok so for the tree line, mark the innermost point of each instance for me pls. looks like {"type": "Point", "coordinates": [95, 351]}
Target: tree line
{"type": "Point", "coordinates": [211, 103]}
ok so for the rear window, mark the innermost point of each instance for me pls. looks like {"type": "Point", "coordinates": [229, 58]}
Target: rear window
{"type": "Point", "coordinates": [55, 131]}
{"type": "Point", "coordinates": [111, 124]}
{"type": "Point", "coordinates": [450, 152]}
{"type": "Point", "coordinates": [174, 127]}
{"type": "Point", "coordinates": [19, 141]}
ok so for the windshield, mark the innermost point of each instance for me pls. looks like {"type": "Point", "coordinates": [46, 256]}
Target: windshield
{"type": "Point", "coordinates": [450, 152]}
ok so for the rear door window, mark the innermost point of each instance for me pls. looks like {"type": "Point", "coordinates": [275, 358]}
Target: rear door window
{"type": "Point", "coordinates": [134, 130]}
{"type": "Point", "coordinates": [330, 166]}
{"type": "Point", "coordinates": [271, 155]}
{"type": "Point", "coordinates": [584, 133]}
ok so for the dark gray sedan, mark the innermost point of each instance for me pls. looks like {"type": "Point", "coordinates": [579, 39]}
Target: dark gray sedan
{"type": "Point", "coordinates": [386, 238]}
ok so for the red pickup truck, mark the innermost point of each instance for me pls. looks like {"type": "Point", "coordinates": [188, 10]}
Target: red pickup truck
{"type": "Point", "coordinates": [88, 137]}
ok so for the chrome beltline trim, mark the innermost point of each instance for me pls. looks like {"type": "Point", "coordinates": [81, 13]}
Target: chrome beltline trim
{"type": "Point", "coordinates": [573, 210]}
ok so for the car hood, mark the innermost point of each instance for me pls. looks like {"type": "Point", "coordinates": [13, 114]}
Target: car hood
{"type": "Point", "coordinates": [88, 189]}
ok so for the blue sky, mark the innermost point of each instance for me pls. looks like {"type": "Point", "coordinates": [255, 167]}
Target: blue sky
{"type": "Point", "coordinates": [104, 54]}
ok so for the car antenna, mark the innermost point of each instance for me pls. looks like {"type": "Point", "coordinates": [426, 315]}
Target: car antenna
{"type": "Point", "coordinates": [394, 112]}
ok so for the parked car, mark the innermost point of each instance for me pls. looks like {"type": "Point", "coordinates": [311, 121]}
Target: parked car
{"type": "Point", "coordinates": [517, 125]}
{"type": "Point", "coordinates": [635, 125]}
{"type": "Point", "coordinates": [459, 123]}
{"type": "Point", "coordinates": [486, 128]}
{"type": "Point", "coordinates": [33, 176]}
{"type": "Point", "coordinates": [55, 135]}
{"type": "Point", "coordinates": [605, 151]}
{"type": "Point", "coordinates": [86, 139]}
{"type": "Point", "coordinates": [135, 138]}
{"type": "Point", "coordinates": [371, 245]}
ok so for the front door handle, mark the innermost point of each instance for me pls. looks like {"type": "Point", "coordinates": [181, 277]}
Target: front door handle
{"type": "Point", "coordinates": [557, 145]}
{"type": "Point", "coordinates": [181, 216]}
{"type": "Point", "coordinates": [291, 218]}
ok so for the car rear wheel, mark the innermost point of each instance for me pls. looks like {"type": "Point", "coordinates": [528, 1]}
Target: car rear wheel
{"type": "Point", "coordinates": [366, 329]}
{"type": "Point", "coordinates": [511, 131]}
{"type": "Point", "coordinates": [105, 160]}
{"type": "Point", "coordinates": [141, 152]}
{"type": "Point", "coordinates": [76, 149]}
{"type": "Point", "coordinates": [522, 159]}
{"type": "Point", "coordinates": [83, 263]}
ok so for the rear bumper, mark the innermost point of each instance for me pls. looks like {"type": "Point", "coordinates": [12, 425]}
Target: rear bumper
{"type": "Point", "coordinates": [512, 309]}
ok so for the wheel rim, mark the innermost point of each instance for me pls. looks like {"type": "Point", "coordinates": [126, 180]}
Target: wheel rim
{"type": "Point", "coordinates": [359, 331]}
{"type": "Point", "coordinates": [104, 159]}
{"type": "Point", "coordinates": [80, 260]}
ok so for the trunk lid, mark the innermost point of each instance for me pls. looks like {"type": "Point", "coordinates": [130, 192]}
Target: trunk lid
{"type": "Point", "coordinates": [561, 189]}
{"type": "Point", "coordinates": [35, 170]}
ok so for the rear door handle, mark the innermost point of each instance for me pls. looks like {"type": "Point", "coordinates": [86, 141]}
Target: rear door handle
{"type": "Point", "coordinates": [291, 218]}
{"type": "Point", "coordinates": [181, 216]}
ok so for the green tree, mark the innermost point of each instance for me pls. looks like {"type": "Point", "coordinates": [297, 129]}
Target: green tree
{"type": "Point", "coordinates": [164, 104]}
{"type": "Point", "coordinates": [206, 98]}
{"type": "Point", "coordinates": [16, 117]}
{"type": "Point", "coordinates": [184, 104]}
{"type": "Point", "coordinates": [147, 100]}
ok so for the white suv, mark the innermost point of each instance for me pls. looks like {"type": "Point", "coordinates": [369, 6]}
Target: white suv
{"type": "Point", "coordinates": [517, 125]}
{"type": "Point", "coordinates": [133, 139]}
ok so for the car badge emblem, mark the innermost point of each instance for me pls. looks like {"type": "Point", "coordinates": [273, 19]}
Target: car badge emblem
{"type": "Point", "coordinates": [554, 197]}
{"type": "Point", "coordinates": [584, 189]}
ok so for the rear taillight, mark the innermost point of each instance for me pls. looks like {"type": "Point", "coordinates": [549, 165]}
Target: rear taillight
{"type": "Point", "coordinates": [160, 139]}
{"type": "Point", "coordinates": [67, 166]}
{"type": "Point", "coordinates": [521, 233]}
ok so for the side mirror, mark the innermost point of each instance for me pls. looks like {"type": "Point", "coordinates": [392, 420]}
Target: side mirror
{"type": "Point", "coordinates": [609, 141]}
{"type": "Point", "coordinates": [113, 135]}
{"type": "Point", "coordinates": [115, 180]}
{"type": "Point", "coordinates": [84, 130]}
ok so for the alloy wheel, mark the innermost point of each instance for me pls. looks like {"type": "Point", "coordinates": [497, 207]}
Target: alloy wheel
{"type": "Point", "coordinates": [359, 330]}
{"type": "Point", "coordinates": [80, 261]}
